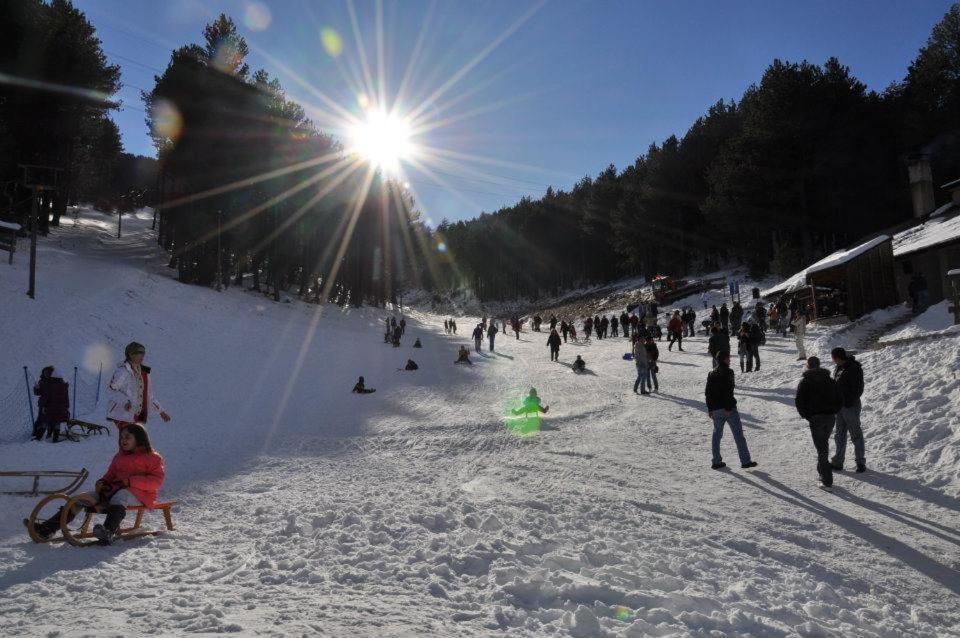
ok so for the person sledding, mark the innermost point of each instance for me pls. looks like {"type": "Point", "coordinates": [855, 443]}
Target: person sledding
{"type": "Point", "coordinates": [361, 387]}
{"type": "Point", "coordinates": [131, 394]}
{"type": "Point", "coordinates": [579, 365]}
{"type": "Point", "coordinates": [531, 404]}
{"type": "Point", "coordinates": [463, 356]}
{"type": "Point", "coordinates": [134, 478]}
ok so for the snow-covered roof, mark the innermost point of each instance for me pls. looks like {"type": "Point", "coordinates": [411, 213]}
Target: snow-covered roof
{"type": "Point", "coordinates": [936, 230]}
{"type": "Point", "coordinates": [942, 210]}
{"type": "Point", "coordinates": [953, 273]}
{"type": "Point", "coordinates": [9, 225]}
{"type": "Point", "coordinates": [830, 261]}
{"type": "Point", "coordinates": [955, 182]}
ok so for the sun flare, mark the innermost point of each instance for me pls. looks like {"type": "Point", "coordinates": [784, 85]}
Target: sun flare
{"type": "Point", "coordinates": [382, 139]}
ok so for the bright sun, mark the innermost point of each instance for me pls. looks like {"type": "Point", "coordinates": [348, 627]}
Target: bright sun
{"type": "Point", "coordinates": [383, 140]}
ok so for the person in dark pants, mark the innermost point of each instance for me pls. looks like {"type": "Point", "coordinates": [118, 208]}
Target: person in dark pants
{"type": "Point", "coordinates": [725, 317]}
{"type": "Point", "coordinates": [53, 405]}
{"type": "Point", "coordinates": [818, 400]}
{"type": "Point", "coordinates": [477, 337]}
{"type": "Point", "coordinates": [753, 343]}
{"type": "Point", "coordinates": [849, 376]}
{"type": "Point", "coordinates": [722, 408]}
{"type": "Point", "coordinates": [718, 343]}
{"type": "Point", "coordinates": [554, 342]}
{"type": "Point", "coordinates": [675, 331]}
{"type": "Point", "coordinates": [492, 334]}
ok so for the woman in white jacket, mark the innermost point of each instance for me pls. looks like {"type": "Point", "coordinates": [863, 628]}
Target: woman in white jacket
{"type": "Point", "coordinates": [130, 393]}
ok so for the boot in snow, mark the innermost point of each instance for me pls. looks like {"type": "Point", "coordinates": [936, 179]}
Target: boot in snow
{"type": "Point", "coordinates": [747, 466]}
{"type": "Point", "coordinates": [717, 466]}
{"type": "Point", "coordinates": [861, 468]}
{"type": "Point", "coordinates": [103, 535]}
{"type": "Point", "coordinates": [43, 530]}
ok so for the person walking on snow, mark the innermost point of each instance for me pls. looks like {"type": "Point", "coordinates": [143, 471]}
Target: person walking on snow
{"type": "Point", "coordinates": [564, 330]}
{"type": "Point", "coordinates": [736, 316]}
{"type": "Point", "coordinates": [753, 351]}
{"type": "Point", "coordinates": [675, 331]}
{"type": "Point", "coordinates": [134, 477]}
{"type": "Point", "coordinates": [743, 345]}
{"type": "Point", "coordinates": [818, 400]}
{"type": "Point", "coordinates": [718, 343]}
{"type": "Point", "coordinates": [799, 330]}
{"type": "Point", "coordinates": [554, 342]}
{"type": "Point", "coordinates": [642, 360]}
{"type": "Point", "coordinates": [722, 408]}
{"type": "Point", "coordinates": [848, 374]}
{"type": "Point", "coordinates": [130, 391]}
{"type": "Point", "coordinates": [725, 317]}
{"type": "Point", "coordinates": [403, 325]}
{"type": "Point", "coordinates": [477, 337]}
{"type": "Point", "coordinates": [491, 335]}
{"type": "Point", "coordinates": [53, 405]}
{"type": "Point", "coordinates": [653, 354]}
{"type": "Point", "coordinates": [614, 325]}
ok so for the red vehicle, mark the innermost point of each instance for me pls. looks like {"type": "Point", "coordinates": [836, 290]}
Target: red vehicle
{"type": "Point", "coordinates": [667, 289]}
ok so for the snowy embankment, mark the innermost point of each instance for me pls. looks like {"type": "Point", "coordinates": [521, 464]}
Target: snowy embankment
{"type": "Point", "coordinates": [412, 511]}
{"type": "Point", "coordinates": [935, 321]}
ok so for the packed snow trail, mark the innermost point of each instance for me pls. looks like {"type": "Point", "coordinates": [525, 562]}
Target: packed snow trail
{"type": "Point", "coordinates": [412, 511]}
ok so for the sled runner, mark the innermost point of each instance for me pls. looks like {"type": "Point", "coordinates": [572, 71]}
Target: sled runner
{"type": "Point", "coordinates": [80, 535]}
{"type": "Point", "coordinates": [77, 480]}
{"type": "Point", "coordinates": [83, 429]}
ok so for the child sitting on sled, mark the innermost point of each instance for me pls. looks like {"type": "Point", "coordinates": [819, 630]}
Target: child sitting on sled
{"type": "Point", "coordinates": [133, 478]}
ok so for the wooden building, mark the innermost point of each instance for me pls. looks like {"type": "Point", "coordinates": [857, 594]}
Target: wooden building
{"type": "Point", "coordinates": [930, 248]}
{"type": "Point", "coordinates": [850, 282]}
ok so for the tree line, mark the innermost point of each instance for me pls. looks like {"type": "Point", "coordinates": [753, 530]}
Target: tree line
{"type": "Point", "coordinates": [56, 92]}
{"type": "Point", "coordinates": [806, 161]}
{"type": "Point", "coordinates": [248, 189]}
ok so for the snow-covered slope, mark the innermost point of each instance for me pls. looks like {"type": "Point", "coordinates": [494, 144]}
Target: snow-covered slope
{"type": "Point", "coordinates": [308, 510]}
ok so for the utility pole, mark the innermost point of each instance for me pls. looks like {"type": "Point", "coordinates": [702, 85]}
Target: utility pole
{"type": "Point", "coordinates": [219, 256]}
{"type": "Point", "coordinates": [32, 289]}
{"type": "Point", "coordinates": [38, 179]}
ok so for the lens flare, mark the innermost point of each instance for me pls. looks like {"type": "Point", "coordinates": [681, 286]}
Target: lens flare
{"type": "Point", "coordinates": [382, 139]}
{"type": "Point", "coordinates": [95, 355]}
{"type": "Point", "coordinates": [167, 121]}
{"type": "Point", "coordinates": [623, 613]}
{"type": "Point", "coordinates": [331, 41]}
{"type": "Point", "coordinates": [441, 247]}
{"type": "Point", "coordinates": [256, 16]}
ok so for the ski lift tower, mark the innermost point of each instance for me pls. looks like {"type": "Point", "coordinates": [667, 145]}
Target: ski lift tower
{"type": "Point", "coordinates": [38, 179]}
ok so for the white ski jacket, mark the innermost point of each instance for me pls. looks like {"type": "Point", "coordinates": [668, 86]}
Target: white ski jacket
{"type": "Point", "coordinates": [125, 387]}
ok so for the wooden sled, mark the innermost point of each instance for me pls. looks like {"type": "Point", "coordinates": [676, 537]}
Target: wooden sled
{"type": "Point", "coordinates": [77, 480]}
{"type": "Point", "coordinates": [81, 535]}
{"type": "Point", "coordinates": [77, 429]}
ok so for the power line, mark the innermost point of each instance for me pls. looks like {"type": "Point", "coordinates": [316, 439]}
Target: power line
{"type": "Point", "coordinates": [132, 61]}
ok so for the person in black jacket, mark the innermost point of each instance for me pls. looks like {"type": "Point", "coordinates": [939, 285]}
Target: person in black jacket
{"type": "Point", "coordinates": [818, 400]}
{"type": "Point", "coordinates": [848, 374]}
{"type": "Point", "coordinates": [725, 317]}
{"type": "Point", "coordinates": [361, 388]}
{"type": "Point", "coordinates": [492, 334]}
{"type": "Point", "coordinates": [477, 337]}
{"type": "Point", "coordinates": [554, 342]}
{"type": "Point", "coordinates": [53, 405]}
{"type": "Point", "coordinates": [722, 408]}
{"type": "Point", "coordinates": [718, 343]}
{"type": "Point", "coordinates": [753, 352]}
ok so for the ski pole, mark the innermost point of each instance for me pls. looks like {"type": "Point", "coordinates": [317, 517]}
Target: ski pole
{"type": "Point", "coordinates": [99, 375]}
{"type": "Point", "coordinates": [26, 378]}
{"type": "Point", "coordinates": [73, 412]}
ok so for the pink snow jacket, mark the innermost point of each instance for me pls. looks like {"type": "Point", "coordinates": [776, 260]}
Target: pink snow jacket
{"type": "Point", "coordinates": [144, 471]}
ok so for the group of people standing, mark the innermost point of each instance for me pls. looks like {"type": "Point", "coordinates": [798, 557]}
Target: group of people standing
{"type": "Point", "coordinates": [396, 330]}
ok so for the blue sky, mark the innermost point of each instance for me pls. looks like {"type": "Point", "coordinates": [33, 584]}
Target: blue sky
{"type": "Point", "coordinates": [573, 86]}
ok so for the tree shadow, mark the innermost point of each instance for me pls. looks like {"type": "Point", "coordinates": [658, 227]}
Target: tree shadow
{"type": "Point", "coordinates": [897, 549]}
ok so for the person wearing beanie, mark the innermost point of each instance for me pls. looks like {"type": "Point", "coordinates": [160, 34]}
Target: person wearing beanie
{"type": "Point", "coordinates": [130, 391]}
